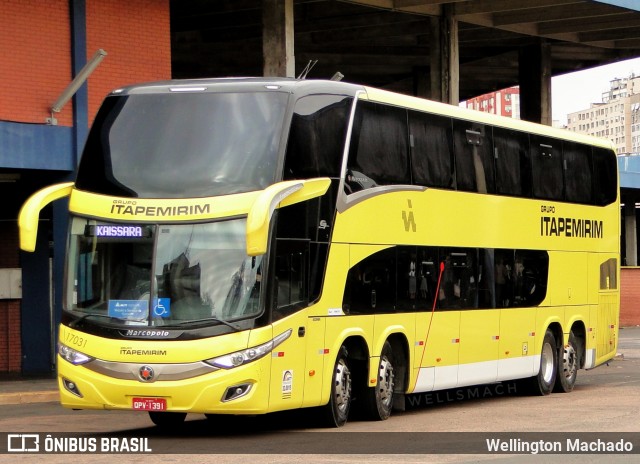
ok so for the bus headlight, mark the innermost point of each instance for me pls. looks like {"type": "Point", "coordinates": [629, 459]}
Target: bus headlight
{"type": "Point", "coordinates": [74, 357]}
{"type": "Point", "coordinates": [239, 358]}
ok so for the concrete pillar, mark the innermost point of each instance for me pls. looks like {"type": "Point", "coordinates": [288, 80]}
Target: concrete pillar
{"type": "Point", "coordinates": [421, 82]}
{"type": "Point", "coordinates": [535, 83]}
{"type": "Point", "coordinates": [631, 250]}
{"type": "Point", "coordinates": [277, 38]}
{"type": "Point", "coordinates": [435, 55]}
{"type": "Point", "coordinates": [445, 57]}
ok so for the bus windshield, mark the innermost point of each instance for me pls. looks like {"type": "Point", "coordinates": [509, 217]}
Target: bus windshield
{"type": "Point", "coordinates": [223, 143]}
{"type": "Point", "coordinates": [162, 275]}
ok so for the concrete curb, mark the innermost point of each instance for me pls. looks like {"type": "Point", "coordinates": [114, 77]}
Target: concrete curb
{"type": "Point", "coordinates": [29, 397]}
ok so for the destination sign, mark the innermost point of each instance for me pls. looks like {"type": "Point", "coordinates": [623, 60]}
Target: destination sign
{"type": "Point", "coordinates": [115, 231]}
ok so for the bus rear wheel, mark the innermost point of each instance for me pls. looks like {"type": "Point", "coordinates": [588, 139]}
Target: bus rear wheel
{"type": "Point", "coordinates": [569, 365]}
{"type": "Point", "coordinates": [167, 419]}
{"type": "Point", "coordinates": [379, 399]}
{"type": "Point", "coordinates": [543, 382]}
{"type": "Point", "coordinates": [336, 412]}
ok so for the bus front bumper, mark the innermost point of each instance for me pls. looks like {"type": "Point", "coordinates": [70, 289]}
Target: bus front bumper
{"type": "Point", "coordinates": [242, 390]}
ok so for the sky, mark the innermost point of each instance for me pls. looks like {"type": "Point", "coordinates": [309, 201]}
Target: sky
{"type": "Point", "coordinates": [576, 91]}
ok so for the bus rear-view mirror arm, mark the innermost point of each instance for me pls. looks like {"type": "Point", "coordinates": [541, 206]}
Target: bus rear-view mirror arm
{"type": "Point", "coordinates": [30, 212]}
{"type": "Point", "coordinates": [278, 195]}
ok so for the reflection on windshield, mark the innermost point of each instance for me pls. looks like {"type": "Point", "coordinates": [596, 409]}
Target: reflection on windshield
{"type": "Point", "coordinates": [199, 271]}
{"type": "Point", "coordinates": [176, 145]}
{"type": "Point", "coordinates": [202, 270]}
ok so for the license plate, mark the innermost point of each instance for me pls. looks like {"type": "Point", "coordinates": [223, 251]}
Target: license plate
{"type": "Point", "coordinates": [149, 404]}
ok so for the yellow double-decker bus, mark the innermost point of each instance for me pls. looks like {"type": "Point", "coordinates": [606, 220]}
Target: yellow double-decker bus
{"type": "Point", "coordinates": [244, 246]}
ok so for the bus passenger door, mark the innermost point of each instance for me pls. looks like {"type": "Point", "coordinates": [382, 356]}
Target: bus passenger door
{"type": "Point", "coordinates": [288, 364]}
{"type": "Point", "coordinates": [289, 295]}
{"type": "Point", "coordinates": [608, 311]}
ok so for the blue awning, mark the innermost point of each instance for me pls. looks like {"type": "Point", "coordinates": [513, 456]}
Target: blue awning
{"type": "Point", "coordinates": [629, 168]}
{"type": "Point", "coordinates": [631, 4]}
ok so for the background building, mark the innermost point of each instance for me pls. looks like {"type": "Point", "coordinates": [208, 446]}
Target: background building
{"type": "Point", "coordinates": [616, 117]}
{"type": "Point", "coordinates": [505, 102]}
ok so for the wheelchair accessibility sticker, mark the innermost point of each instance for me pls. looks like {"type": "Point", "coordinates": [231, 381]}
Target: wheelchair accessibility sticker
{"type": "Point", "coordinates": [161, 307]}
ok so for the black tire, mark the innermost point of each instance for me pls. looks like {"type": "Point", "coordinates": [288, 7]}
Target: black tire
{"type": "Point", "coordinates": [544, 381]}
{"type": "Point", "coordinates": [568, 365]}
{"type": "Point", "coordinates": [379, 399]}
{"type": "Point", "coordinates": [336, 411]}
{"type": "Point", "coordinates": [167, 419]}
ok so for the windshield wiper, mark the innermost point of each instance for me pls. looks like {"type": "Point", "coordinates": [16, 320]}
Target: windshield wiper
{"type": "Point", "coordinates": [73, 324]}
{"type": "Point", "coordinates": [206, 319]}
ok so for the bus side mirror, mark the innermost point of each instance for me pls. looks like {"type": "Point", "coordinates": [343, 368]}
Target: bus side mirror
{"type": "Point", "coordinates": [30, 212]}
{"type": "Point", "coordinates": [278, 195]}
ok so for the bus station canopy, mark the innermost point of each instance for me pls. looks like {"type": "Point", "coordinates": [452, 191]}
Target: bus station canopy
{"type": "Point", "coordinates": [388, 43]}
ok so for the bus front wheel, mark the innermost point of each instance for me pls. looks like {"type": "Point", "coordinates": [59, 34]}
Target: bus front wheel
{"type": "Point", "coordinates": [336, 412]}
{"type": "Point", "coordinates": [542, 384]}
{"type": "Point", "coordinates": [379, 399]}
{"type": "Point", "coordinates": [568, 366]}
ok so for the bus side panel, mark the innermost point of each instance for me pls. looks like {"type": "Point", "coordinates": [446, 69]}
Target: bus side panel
{"type": "Point", "coordinates": [388, 324]}
{"type": "Point", "coordinates": [422, 327]}
{"type": "Point", "coordinates": [568, 279]}
{"type": "Point", "coordinates": [517, 339]}
{"type": "Point", "coordinates": [479, 343]}
{"type": "Point", "coordinates": [441, 354]}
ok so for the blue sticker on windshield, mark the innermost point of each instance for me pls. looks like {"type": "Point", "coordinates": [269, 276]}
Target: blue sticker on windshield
{"type": "Point", "coordinates": [161, 307]}
{"type": "Point", "coordinates": [128, 309]}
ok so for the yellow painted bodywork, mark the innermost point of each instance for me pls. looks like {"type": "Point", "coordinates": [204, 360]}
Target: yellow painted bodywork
{"type": "Point", "coordinates": [448, 347]}
{"type": "Point", "coordinates": [456, 343]}
{"type": "Point", "coordinates": [199, 394]}
{"type": "Point", "coordinates": [30, 212]}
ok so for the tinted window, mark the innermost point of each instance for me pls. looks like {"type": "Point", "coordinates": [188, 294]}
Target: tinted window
{"type": "Point", "coordinates": [608, 274]}
{"type": "Point", "coordinates": [317, 137]}
{"type": "Point", "coordinates": [311, 219]}
{"type": "Point", "coordinates": [291, 276]}
{"type": "Point", "coordinates": [577, 172]}
{"type": "Point", "coordinates": [547, 168]}
{"type": "Point", "coordinates": [473, 148]}
{"type": "Point", "coordinates": [379, 153]}
{"type": "Point", "coordinates": [513, 168]}
{"type": "Point", "coordinates": [458, 287]}
{"type": "Point", "coordinates": [416, 277]}
{"type": "Point", "coordinates": [530, 277]}
{"type": "Point", "coordinates": [520, 277]}
{"type": "Point", "coordinates": [183, 144]}
{"type": "Point", "coordinates": [371, 284]}
{"type": "Point", "coordinates": [605, 170]}
{"type": "Point", "coordinates": [407, 278]}
{"type": "Point", "coordinates": [431, 150]}
{"type": "Point", "coordinates": [309, 222]}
